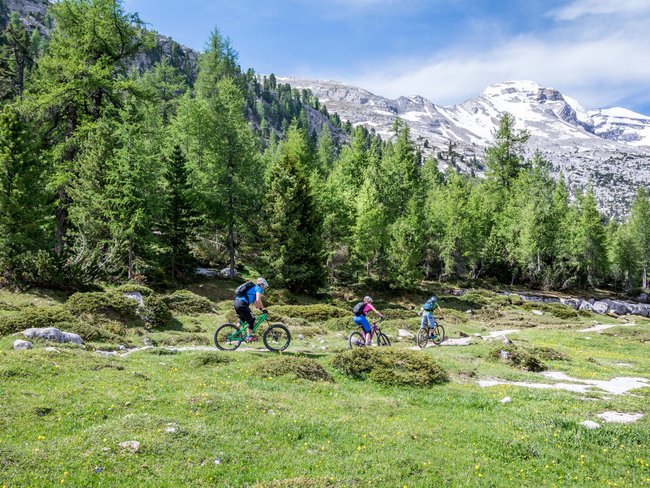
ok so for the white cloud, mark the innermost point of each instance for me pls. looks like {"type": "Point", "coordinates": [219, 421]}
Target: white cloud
{"type": "Point", "coordinates": [598, 67]}
{"type": "Point", "coordinates": [580, 8]}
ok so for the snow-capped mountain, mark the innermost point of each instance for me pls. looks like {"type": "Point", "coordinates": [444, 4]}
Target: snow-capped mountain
{"type": "Point", "coordinates": [609, 148]}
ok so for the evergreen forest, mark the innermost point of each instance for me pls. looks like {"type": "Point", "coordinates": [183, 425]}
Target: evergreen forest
{"type": "Point", "coordinates": [110, 171]}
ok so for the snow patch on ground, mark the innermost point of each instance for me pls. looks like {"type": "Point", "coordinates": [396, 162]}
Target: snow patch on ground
{"type": "Point", "coordinates": [498, 334]}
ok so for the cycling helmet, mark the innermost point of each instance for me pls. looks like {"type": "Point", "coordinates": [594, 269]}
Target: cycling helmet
{"type": "Point", "coordinates": [262, 282]}
{"type": "Point", "coordinates": [367, 299]}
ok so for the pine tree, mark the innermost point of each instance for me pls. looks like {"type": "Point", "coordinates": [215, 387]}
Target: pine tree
{"type": "Point", "coordinates": [22, 200]}
{"type": "Point", "coordinates": [293, 242]}
{"type": "Point", "coordinates": [177, 213]}
{"type": "Point", "coordinates": [623, 254]}
{"type": "Point", "coordinates": [504, 158]}
{"type": "Point", "coordinates": [591, 240]}
{"type": "Point", "coordinates": [640, 227]}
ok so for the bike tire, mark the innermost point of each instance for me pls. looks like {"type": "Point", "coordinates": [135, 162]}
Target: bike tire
{"type": "Point", "coordinates": [423, 338]}
{"type": "Point", "coordinates": [277, 338]}
{"type": "Point", "coordinates": [222, 337]}
{"type": "Point", "coordinates": [439, 331]}
{"type": "Point", "coordinates": [356, 339]}
{"type": "Point", "coordinates": [383, 340]}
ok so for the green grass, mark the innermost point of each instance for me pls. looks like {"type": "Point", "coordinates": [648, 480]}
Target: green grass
{"type": "Point", "coordinates": [237, 419]}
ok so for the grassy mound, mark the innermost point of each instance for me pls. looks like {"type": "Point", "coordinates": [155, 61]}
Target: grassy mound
{"type": "Point", "coordinates": [316, 312]}
{"type": "Point", "coordinates": [304, 368]}
{"type": "Point", "coordinates": [202, 360]}
{"type": "Point", "coordinates": [391, 366]}
{"type": "Point", "coordinates": [518, 357]}
{"type": "Point", "coordinates": [184, 302]}
{"type": "Point", "coordinates": [549, 354]}
{"type": "Point", "coordinates": [111, 305]}
{"type": "Point", "coordinates": [35, 317]}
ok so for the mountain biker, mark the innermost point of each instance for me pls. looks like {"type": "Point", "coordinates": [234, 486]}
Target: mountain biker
{"type": "Point", "coordinates": [250, 293]}
{"type": "Point", "coordinates": [360, 311]}
{"type": "Point", "coordinates": [426, 311]}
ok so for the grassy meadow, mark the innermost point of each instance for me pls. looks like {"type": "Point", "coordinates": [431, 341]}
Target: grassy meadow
{"type": "Point", "coordinates": [251, 418]}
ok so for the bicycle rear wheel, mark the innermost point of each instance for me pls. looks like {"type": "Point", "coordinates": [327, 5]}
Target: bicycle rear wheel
{"type": "Point", "coordinates": [356, 340]}
{"type": "Point", "coordinates": [439, 334]}
{"type": "Point", "coordinates": [277, 338]}
{"type": "Point", "coordinates": [382, 339]}
{"type": "Point", "coordinates": [423, 338]}
{"type": "Point", "coordinates": [228, 337]}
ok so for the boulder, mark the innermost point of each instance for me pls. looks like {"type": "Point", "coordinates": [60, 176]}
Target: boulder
{"type": "Point", "coordinates": [208, 273]}
{"type": "Point", "coordinates": [133, 446]}
{"type": "Point", "coordinates": [226, 273]}
{"type": "Point", "coordinates": [591, 425]}
{"type": "Point", "coordinates": [53, 334]}
{"type": "Point", "coordinates": [600, 307]}
{"type": "Point", "coordinates": [586, 306]}
{"type": "Point", "coordinates": [538, 312]}
{"type": "Point", "coordinates": [405, 333]}
{"type": "Point", "coordinates": [505, 400]}
{"type": "Point", "coordinates": [135, 296]}
{"type": "Point", "coordinates": [643, 297]}
{"type": "Point", "coordinates": [505, 355]}
{"type": "Point", "coordinates": [574, 303]}
{"type": "Point", "coordinates": [20, 345]}
{"type": "Point", "coordinates": [617, 307]}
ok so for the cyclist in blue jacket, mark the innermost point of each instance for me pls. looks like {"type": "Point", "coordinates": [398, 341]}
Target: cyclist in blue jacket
{"type": "Point", "coordinates": [426, 311]}
{"type": "Point", "coordinates": [250, 295]}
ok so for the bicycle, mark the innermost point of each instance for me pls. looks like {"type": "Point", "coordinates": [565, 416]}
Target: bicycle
{"type": "Point", "coordinates": [438, 335]}
{"type": "Point", "coordinates": [229, 337]}
{"type": "Point", "coordinates": [356, 339]}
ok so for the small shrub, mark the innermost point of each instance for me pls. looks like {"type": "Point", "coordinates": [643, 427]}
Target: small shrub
{"type": "Point", "coordinates": [184, 302]}
{"type": "Point", "coordinates": [209, 359]}
{"type": "Point", "coordinates": [35, 317]}
{"type": "Point", "coordinates": [317, 312]}
{"type": "Point", "coordinates": [280, 296]}
{"type": "Point", "coordinates": [185, 338]}
{"type": "Point", "coordinates": [135, 288]}
{"type": "Point", "coordinates": [391, 366]}
{"type": "Point", "coordinates": [111, 305]}
{"type": "Point", "coordinates": [91, 332]}
{"type": "Point", "coordinates": [339, 324]}
{"type": "Point", "coordinates": [156, 312]}
{"type": "Point", "coordinates": [518, 357]}
{"type": "Point", "coordinates": [549, 354]}
{"type": "Point", "coordinates": [304, 368]}
{"type": "Point", "coordinates": [397, 313]}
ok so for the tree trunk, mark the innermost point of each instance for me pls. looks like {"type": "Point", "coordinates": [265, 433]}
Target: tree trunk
{"type": "Point", "coordinates": [645, 277]}
{"type": "Point", "coordinates": [131, 260]}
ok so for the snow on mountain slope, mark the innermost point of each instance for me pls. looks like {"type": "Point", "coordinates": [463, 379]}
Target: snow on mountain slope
{"type": "Point", "coordinates": [608, 148]}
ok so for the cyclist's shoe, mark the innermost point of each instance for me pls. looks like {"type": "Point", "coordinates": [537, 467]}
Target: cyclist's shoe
{"type": "Point", "coordinates": [251, 339]}
{"type": "Point", "coordinates": [433, 336]}
{"type": "Point", "coordinates": [359, 343]}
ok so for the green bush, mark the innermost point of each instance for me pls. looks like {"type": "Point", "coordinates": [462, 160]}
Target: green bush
{"type": "Point", "coordinates": [549, 354]}
{"type": "Point", "coordinates": [135, 288]}
{"type": "Point", "coordinates": [111, 305]}
{"type": "Point", "coordinates": [391, 366]}
{"type": "Point", "coordinates": [179, 338]}
{"type": "Point", "coordinates": [317, 312]}
{"type": "Point", "coordinates": [184, 302]}
{"type": "Point", "coordinates": [108, 332]}
{"type": "Point", "coordinates": [562, 311]}
{"type": "Point", "coordinates": [35, 318]}
{"type": "Point", "coordinates": [518, 357]}
{"type": "Point", "coordinates": [280, 296]}
{"type": "Point", "coordinates": [304, 368]}
{"type": "Point", "coordinates": [156, 312]}
{"type": "Point", "coordinates": [209, 359]}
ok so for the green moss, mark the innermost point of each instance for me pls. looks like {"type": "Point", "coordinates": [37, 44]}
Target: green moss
{"type": "Point", "coordinates": [391, 366]}
{"type": "Point", "coordinates": [304, 368]}
{"type": "Point", "coordinates": [549, 354]}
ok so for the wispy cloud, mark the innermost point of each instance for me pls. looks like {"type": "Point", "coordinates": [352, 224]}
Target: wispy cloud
{"type": "Point", "coordinates": [581, 8]}
{"type": "Point", "coordinates": [598, 66]}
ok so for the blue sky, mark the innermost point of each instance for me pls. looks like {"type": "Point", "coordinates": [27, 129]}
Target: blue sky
{"type": "Point", "coordinates": [596, 51]}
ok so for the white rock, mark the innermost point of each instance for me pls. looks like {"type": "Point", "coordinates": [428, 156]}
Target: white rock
{"type": "Point", "coordinates": [20, 345]}
{"type": "Point", "coordinates": [505, 400]}
{"type": "Point", "coordinates": [405, 333]}
{"type": "Point", "coordinates": [53, 334]}
{"type": "Point", "coordinates": [620, 418]}
{"type": "Point", "coordinates": [301, 337]}
{"type": "Point", "coordinates": [538, 312]}
{"type": "Point", "coordinates": [208, 273]}
{"type": "Point", "coordinates": [591, 425]}
{"type": "Point", "coordinates": [132, 446]}
{"type": "Point", "coordinates": [52, 349]}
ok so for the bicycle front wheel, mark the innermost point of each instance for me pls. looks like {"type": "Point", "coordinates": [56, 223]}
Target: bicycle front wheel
{"type": "Point", "coordinates": [356, 340]}
{"type": "Point", "coordinates": [423, 338]}
{"type": "Point", "coordinates": [228, 337]}
{"type": "Point", "coordinates": [277, 338]}
{"type": "Point", "coordinates": [382, 339]}
{"type": "Point", "coordinates": [439, 334]}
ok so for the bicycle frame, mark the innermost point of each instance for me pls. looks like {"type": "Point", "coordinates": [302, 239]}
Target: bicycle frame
{"type": "Point", "coordinates": [243, 325]}
{"type": "Point", "coordinates": [375, 328]}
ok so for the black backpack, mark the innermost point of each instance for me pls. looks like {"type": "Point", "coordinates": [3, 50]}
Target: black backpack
{"type": "Point", "coordinates": [242, 290]}
{"type": "Point", "coordinates": [359, 308]}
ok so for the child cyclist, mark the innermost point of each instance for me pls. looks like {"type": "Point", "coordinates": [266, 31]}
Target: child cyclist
{"type": "Point", "coordinates": [360, 310]}
{"type": "Point", "coordinates": [426, 311]}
